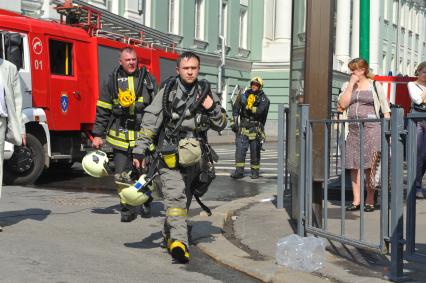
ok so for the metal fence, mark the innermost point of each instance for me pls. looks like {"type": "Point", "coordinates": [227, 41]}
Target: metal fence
{"type": "Point", "coordinates": [306, 180]}
{"type": "Point", "coordinates": [410, 251]}
{"type": "Point", "coordinates": [334, 225]}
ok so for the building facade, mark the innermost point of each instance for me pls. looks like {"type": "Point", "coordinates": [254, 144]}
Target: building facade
{"type": "Point", "coordinates": [397, 35]}
{"type": "Point", "coordinates": [255, 35]}
{"type": "Point", "coordinates": [239, 39]}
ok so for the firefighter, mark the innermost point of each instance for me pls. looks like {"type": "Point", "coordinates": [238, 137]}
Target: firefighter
{"type": "Point", "coordinates": [119, 110]}
{"type": "Point", "coordinates": [248, 121]}
{"type": "Point", "coordinates": [178, 119]}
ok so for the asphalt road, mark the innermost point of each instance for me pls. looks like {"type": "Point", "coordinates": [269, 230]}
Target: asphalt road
{"type": "Point", "coordinates": [66, 229]}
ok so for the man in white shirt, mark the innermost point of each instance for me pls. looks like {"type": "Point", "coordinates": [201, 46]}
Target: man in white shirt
{"type": "Point", "coordinates": [12, 128]}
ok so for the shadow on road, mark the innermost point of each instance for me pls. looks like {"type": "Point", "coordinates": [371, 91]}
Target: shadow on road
{"type": "Point", "coordinates": [156, 209]}
{"type": "Point", "coordinates": [151, 242]}
{"type": "Point", "coordinates": [9, 218]}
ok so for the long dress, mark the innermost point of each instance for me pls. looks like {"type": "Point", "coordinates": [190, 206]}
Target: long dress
{"type": "Point", "coordinates": [362, 107]}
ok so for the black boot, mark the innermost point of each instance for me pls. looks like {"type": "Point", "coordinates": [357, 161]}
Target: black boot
{"type": "Point", "coordinates": [146, 210]}
{"type": "Point", "coordinates": [237, 174]}
{"type": "Point", "coordinates": [254, 174]}
{"type": "Point", "coordinates": [127, 215]}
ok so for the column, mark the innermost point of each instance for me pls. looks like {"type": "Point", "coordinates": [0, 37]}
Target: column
{"type": "Point", "coordinates": [355, 29]}
{"type": "Point", "coordinates": [282, 19]}
{"type": "Point", "coordinates": [406, 44]}
{"type": "Point", "coordinates": [422, 27]}
{"type": "Point", "coordinates": [414, 22]}
{"type": "Point", "coordinates": [375, 38]}
{"type": "Point", "coordinates": [343, 31]}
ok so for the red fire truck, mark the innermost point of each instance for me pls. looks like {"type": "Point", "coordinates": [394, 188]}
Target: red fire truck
{"type": "Point", "coordinates": [62, 66]}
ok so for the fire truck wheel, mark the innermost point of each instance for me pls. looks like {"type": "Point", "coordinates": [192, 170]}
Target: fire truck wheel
{"type": "Point", "coordinates": [17, 175]}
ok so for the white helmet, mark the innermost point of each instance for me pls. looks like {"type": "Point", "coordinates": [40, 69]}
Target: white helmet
{"type": "Point", "coordinates": [132, 196]}
{"type": "Point", "coordinates": [95, 164]}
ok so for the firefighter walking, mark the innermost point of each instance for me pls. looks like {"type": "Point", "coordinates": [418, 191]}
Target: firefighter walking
{"type": "Point", "coordinates": [178, 119]}
{"type": "Point", "coordinates": [119, 110]}
{"type": "Point", "coordinates": [248, 121]}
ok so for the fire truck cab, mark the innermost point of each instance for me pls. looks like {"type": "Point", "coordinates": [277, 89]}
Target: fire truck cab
{"type": "Point", "coordinates": [62, 68]}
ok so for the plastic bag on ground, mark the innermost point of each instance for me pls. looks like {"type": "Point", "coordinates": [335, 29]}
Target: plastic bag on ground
{"type": "Point", "coordinates": [306, 254]}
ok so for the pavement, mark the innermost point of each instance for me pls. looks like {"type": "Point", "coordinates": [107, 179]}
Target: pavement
{"type": "Point", "coordinates": [242, 234]}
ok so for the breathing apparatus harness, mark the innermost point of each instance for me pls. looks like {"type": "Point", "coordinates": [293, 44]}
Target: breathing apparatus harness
{"type": "Point", "coordinates": [169, 137]}
{"type": "Point", "coordinates": [121, 110]}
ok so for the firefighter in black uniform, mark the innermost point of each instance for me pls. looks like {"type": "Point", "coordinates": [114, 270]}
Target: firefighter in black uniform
{"type": "Point", "coordinates": [119, 110]}
{"type": "Point", "coordinates": [248, 121]}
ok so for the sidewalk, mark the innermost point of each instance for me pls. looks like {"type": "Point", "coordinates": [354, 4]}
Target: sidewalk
{"type": "Point", "coordinates": [258, 224]}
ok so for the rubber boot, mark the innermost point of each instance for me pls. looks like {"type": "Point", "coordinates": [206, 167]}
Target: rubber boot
{"type": "Point", "coordinates": [254, 174]}
{"type": "Point", "coordinates": [178, 251]}
{"type": "Point", "coordinates": [238, 173]}
{"type": "Point", "coordinates": [146, 210]}
{"type": "Point", "coordinates": [128, 214]}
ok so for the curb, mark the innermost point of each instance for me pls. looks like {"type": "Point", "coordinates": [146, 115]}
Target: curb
{"type": "Point", "coordinates": [221, 250]}
{"type": "Point", "coordinates": [212, 242]}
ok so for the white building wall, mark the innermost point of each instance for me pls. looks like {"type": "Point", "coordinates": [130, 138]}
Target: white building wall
{"type": "Point", "coordinates": [277, 31]}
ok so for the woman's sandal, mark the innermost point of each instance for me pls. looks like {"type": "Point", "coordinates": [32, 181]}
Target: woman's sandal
{"type": "Point", "coordinates": [353, 207]}
{"type": "Point", "coordinates": [369, 208]}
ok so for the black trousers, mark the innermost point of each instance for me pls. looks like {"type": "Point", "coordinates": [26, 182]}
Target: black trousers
{"type": "Point", "coordinates": [242, 144]}
{"type": "Point", "coordinates": [123, 161]}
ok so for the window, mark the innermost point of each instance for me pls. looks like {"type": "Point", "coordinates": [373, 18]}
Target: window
{"type": "Point", "coordinates": [11, 48]}
{"type": "Point", "coordinates": [174, 16]}
{"type": "Point", "coordinates": [224, 19]}
{"type": "Point", "coordinates": [243, 27]}
{"type": "Point", "coordinates": [199, 19]}
{"type": "Point", "coordinates": [61, 57]}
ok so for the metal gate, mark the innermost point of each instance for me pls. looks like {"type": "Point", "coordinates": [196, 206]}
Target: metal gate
{"type": "Point", "coordinates": [390, 186]}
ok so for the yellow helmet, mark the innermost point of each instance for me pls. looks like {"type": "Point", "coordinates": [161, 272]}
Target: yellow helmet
{"type": "Point", "coordinates": [95, 164]}
{"type": "Point", "coordinates": [257, 80]}
{"type": "Point", "coordinates": [126, 97]}
{"type": "Point", "coordinates": [132, 196]}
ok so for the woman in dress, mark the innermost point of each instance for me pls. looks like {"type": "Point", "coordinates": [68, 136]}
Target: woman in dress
{"type": "Point", "coordinates": [417, 91]}
{"type": "Point", "coordinates": [362, 98]}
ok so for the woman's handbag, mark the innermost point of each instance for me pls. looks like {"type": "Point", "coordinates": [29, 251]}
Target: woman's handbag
{"type": "Point", "coordinates": [375, 169]}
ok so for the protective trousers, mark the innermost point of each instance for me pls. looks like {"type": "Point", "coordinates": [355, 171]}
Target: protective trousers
{"type": "Point", "coordinates": [177, 199]}
{"type": "Point", "coordinates": [242, 144]}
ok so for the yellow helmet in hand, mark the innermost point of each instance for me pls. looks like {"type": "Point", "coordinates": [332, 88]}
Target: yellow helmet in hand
{"type": "Point", "coordinates": [95, 164]}
{"type": "Point", "coordinates": [132, 195]}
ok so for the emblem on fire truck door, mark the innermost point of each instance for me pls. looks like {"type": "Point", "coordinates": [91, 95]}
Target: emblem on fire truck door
{"type": "Point", "coordinates": [37, 45]}
{"type": "Point", "coordinates": [64, 102]}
